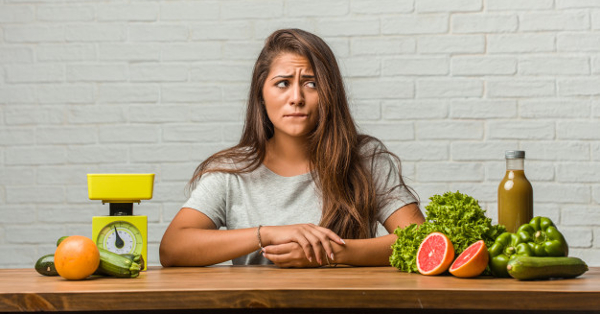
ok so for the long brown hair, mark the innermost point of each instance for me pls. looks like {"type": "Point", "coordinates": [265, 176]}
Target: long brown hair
{"type": "Point", "coordinates": [341, 167]}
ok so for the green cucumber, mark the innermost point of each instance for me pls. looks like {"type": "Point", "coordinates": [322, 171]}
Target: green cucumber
{"type": "Point", "coordinates": [45, 265]}
{"type": "Point", "coordinates": [530, 268]}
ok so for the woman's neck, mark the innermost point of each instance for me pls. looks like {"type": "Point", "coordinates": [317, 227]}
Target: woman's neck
{"type": "Point", "coordinates": [287, 156]}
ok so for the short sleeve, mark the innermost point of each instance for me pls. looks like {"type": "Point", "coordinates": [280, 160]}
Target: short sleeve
{"type": "Point", "coordinates": [209, 197]}
{"type": "Point", "coordinates": [390, 194]}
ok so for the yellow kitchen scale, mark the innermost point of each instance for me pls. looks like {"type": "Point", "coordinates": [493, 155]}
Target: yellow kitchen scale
{"type": "Point", "coordinates": [121, 232]}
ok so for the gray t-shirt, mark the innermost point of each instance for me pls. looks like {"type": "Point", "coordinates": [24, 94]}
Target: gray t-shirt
{"type": "Point", "coordinates": [262, 197]}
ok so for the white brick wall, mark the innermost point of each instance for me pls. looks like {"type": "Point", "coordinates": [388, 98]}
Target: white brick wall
{"type": "Point", "coordinates": [157, 86]}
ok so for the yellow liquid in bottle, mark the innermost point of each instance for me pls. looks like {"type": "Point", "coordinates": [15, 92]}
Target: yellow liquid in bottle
{"type": "Point", "coordinates": [515, 200]}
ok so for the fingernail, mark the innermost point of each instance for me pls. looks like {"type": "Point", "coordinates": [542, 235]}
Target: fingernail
{"type": "Point", "coordinates": [343, 241]}
{"type": "Point", "coordinates": [332, 257]}
{"type": "Point", "coordinates": [310, 259]}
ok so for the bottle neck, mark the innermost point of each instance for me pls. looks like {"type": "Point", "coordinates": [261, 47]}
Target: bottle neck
{"type": "Point", "coordinates": [515, 164]}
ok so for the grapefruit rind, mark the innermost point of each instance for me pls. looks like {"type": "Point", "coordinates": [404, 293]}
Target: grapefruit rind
{"type": "Point", "coordinates": [443, 262]}
{"type": "Point", "coordinates": [471, 262]}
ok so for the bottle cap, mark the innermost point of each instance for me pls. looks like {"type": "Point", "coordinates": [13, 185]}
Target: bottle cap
{"type": "Point", "coordinates": [512, 154]}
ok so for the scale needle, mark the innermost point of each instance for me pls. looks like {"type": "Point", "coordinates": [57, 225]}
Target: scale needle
{"type": "Point", "coordinates": [118, 241]}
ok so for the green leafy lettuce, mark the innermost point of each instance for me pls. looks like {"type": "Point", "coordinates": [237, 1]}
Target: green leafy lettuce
{"type": "Point", "coordinates": [456, 215]}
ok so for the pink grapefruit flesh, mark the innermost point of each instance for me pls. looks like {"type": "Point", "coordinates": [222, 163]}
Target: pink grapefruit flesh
{"type": "Point", "coordinates": [435, 254]}
{"type": "Point", "coordinates": [471, 262]}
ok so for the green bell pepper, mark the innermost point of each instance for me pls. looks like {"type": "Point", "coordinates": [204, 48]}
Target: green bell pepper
{"type": "Point", "coordinates": [507, 246]}
{"type": "Point", "coordinates": [543, 237]}
{"type": "Point", "coordinates": [539, 237]}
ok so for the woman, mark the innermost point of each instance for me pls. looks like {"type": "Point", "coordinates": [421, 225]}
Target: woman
{"type": "Point", "coordinates": [302, 188]}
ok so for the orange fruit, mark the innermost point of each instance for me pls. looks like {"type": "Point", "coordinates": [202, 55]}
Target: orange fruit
{"type": "Point", "coordinates": [77, 257]}
{"type": "Point", "coordinates": [472, 261]}
{"type": "Point", "coordinates": [435, 254]}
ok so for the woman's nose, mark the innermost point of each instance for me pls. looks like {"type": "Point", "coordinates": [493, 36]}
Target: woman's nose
{"type": "Point", "coordinates": [297, 96]}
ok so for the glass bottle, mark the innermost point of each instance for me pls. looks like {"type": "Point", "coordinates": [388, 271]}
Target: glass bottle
{"type": "Point", "coordinates": [515, 194]}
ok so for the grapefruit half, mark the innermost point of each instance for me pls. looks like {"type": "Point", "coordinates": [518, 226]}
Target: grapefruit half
{"type": "Point", "coordinates": [435, 254]}
{"type": "Point", "coordinates": [472, 261]}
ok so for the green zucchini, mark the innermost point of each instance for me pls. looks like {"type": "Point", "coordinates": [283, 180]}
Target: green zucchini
{"type": "Point", "coordinates": [45, 265]}
{"type": "Point", "coordinates": [135, 258]}
{"type": "Point", "coordinates": [116, 265]}
{"type": "Point", "coordinates": [530, 267]}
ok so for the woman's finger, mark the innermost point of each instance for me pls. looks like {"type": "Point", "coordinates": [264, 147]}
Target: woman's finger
{"type": "Point", "coordinates": [324, 246]}
{"type": "Point", "coordinates": [306, 240]}
{"type": "Point", "coordinates": [279, 249]}
{"type": "Point", "coordinates": [278, 260]}
{"type": "Point", "coordinates": [317, 240]}
{"type": "Point", "coordinates": [286, 255]}
{"type": "Point", "coordinates": [331, 235]}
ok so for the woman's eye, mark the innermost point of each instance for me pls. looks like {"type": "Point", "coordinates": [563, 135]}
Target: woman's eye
{"type": "Point", "coordinates": [282, 84]}
{"type": "Point", "coordinates": [311, 84]}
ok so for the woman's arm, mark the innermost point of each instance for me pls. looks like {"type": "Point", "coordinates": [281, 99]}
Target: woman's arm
{"type": "Point", "coordinates": [363, 252]}
{"type": "Point", "coordinates": [377, 251]}
{"type": "Point", "coordinates": [192, 239]}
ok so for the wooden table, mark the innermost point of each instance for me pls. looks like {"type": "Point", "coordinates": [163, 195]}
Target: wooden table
{"type": "Point", "coordinates": [230, 289]}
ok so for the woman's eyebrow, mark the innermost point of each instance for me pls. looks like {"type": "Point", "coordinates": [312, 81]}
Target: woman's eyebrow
{"type": "Point", "coordinates": [291, 76]}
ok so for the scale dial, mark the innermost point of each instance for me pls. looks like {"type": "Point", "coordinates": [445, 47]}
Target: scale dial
{"type": "Point", "coordinates": [120, 237]}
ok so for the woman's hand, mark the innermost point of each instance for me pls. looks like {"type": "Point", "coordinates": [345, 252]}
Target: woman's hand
{"type": "Point", "coordinates": [314, 241]}
{"type": "Point", "coordinates": [288, 255]}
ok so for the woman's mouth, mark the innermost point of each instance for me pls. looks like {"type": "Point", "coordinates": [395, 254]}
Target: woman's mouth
{"type": "Point", "coordinates": [295, 115]}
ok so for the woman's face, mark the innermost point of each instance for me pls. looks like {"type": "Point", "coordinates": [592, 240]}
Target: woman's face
{"type": "Point", "coordinates": [290, 96]}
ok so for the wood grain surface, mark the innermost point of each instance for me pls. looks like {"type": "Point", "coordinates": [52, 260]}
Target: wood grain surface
{"type": "Point", "coordinates": [254, 287]}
